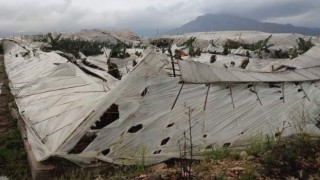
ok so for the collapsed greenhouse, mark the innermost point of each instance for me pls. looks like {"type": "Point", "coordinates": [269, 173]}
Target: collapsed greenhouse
{"type": "Point", "coordinates": [148, 113]}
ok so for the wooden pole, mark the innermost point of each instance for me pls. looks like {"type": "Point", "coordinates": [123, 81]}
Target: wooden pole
{"type": "Point", "coordinates": [205, 101]}
{"type": "Point", "coordinates": [255, 91]}
{"type": "Point", "coordinates": [231, 95]}
{"type": "Point", "coordinates": [304, 92]}
{"type": "Point", "coordinates": [283, 92]}
{"type": "Point", "coordinates": [175, 101]}
{"type": "Point", "coordinates": [172, 62]}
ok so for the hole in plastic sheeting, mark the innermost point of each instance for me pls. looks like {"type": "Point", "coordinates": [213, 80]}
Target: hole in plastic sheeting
{"type": "Point", "coordinates": [250, 85]}
{"type": "Point", "coordinates": [281, 98]}
{"type": "Point", "coordinates": [170, 125]}
{"type": "Point", "coordinates": [144, 92]}
{"type": "Point", "coordinates": [106, 152]}
{"type": "Point", "coordinates": [111, 115]}
{"type": "Point", "coordinates": [226, 144]}
{"type": "Point", "coordinates": [25, 54]}
{"type": "Point", "coordinates": [273, 85]}
{"type": "Point", "coordinates": [165, 141]}
{"type": "Point", "coordinates": [157, 152]}
{"type": "Point", "coordinates": [277, 134]}
{"type": "Point", "coordinates": [204, 136]}
{"type": "Point", "coordinates": [299, 90]}
{"type": "Point", "coordinates": [135, 129]}
{"type": "Point", "coordinates": [16, 55]}
{"type": "Point", "coordinates": [83, 143]}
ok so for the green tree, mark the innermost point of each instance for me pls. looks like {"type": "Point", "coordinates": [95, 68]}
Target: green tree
{"type": "Point", "coordinates": [225, 50]}
{"type": "Point", "coordinates": [189, 42]}
{"type": "Point", "coordinates": [53, 41]}
{"type": "Point", "coordinates": [303, 45]}
{"type": "Point", "coordinates": [191, 51]}
{"type": "Point", "coordinates": [198, 52]}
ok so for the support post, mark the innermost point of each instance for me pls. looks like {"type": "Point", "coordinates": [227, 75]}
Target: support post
{"type": "Point", "coordinates": [175, 101]}
{"type": "Point", "coordinates": [304, 92]}
{"type": "Point", "coordinates": [205, 101]}
{"type": "Point", "coordinates": [172, 62]}
{"type": "Point", "coordinates": [231, 95]}
{"type": "Point", "coordinates": [283, 92]}
{"type": "Point", "coordinates": [255, 91]}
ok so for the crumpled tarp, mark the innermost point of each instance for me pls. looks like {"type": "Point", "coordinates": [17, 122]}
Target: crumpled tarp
{"type": "Point", "coordinates": [60, 104]}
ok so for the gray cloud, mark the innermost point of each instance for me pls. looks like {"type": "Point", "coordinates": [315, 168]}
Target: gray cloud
{"type": "Point", "coordinates": [25, 16]}
{"type": "Point", "coordinates": [264, 10]}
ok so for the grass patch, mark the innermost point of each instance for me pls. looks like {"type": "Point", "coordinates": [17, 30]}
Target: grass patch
{"type": "Point", "coordinates": [248, 174]}
{"type": "Point", "coordinates": [12, 156]}
{"type": "Point", "coordinates": [258, 144]}
{"type": "Point", "coordinates": [218, 153]}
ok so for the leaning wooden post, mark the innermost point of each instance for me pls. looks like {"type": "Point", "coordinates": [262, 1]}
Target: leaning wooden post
{"type": "Point", "coordinates": [304, 92]}
{"type": "Point", "coordinates": [205, 101]}
{"type": "Point", "coordinates": [231, 95]}
{"type": "Point", "coordinates": [283, 92]}
{"type": "Point", "coordinates": [172, 62]}
{"type": "Point", "coordinates": [175, 101]}
{"type": "Point", "coordinates": [255, 91]}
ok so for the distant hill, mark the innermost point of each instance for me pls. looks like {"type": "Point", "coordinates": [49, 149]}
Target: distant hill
{"type": "Point", "coordinates": [224, 22]}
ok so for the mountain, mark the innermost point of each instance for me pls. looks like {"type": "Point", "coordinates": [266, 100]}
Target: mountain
{"type": "Point", "coordinates": [224, 22]}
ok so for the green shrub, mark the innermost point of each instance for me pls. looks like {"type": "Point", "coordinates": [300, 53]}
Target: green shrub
{"type": "Point", "coordinates": [293, 53]}
{"type": "Point", "coordinates": [259, 46]}
{"type": "Point", "coordinates": [219, 153]}
{"type": "Point", "coordinates": [198, 52]}
{"type": "Point", "coordinates": [192, 52]}
{"type": "Point", "coordinates": [279, 54]}
{"type": "Point", "coordinates": [162, 43]}
{"type": "Point", "coordinates": [188, 43]}
{"type": "Point", "coordinates": [247, 54]}
{"type": "Point", "coordinates": [119, 51]}
{"type": "Point", "coordinates": [303, 45]}
{"type": "Point", "coordinates": [226, 50]}
{"type": "Point", "coordinates": [68, 45]}
{"type": "Point", "coordinates": [258, 144]}
{"type": "Point", "coordinates": [247, 175]}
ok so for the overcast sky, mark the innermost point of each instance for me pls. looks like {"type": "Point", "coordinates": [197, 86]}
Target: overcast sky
{"type": "Point", "coordinates": [144, 16]}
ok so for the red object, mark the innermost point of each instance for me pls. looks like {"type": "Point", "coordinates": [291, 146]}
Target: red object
{"type": "Point", "coordinates": [182, 53]}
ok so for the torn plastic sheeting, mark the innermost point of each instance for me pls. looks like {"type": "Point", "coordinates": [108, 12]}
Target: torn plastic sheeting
{"type": "Point", "coordinates": [309, 59]}
{"type": "Point", "coordinates": [195, 72]}
{"type": "Point", "coordinates": [149, 126]}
